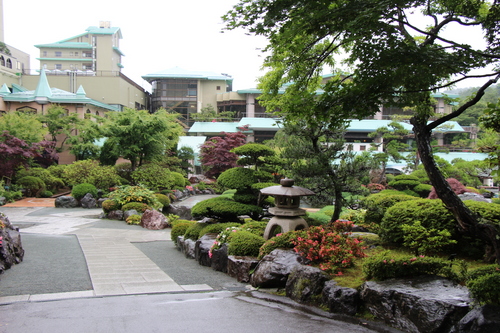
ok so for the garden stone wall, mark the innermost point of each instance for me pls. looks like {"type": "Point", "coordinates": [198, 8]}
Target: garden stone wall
{"type": "Point", "coordinates": [427, 304]}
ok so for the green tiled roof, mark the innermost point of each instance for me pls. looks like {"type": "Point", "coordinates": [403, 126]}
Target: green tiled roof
{"type": "Point", "coordinates": [65, 45]}
{"type": "Point", "coordinates": [117, 50]}
{"type": "Point", "coordinates": [213, 127]}
{"type": "Point", "coordinates": [259, 124]}
{"type": "Point", "coordinates": [104, 31]}
{"type": "Point", "coordinates": [179, 73]}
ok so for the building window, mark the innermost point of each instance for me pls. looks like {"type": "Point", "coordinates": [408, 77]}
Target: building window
{"type": "Point", "coordinates": [44, 53]}
{"type": "Point", "coordinates": [2, 61]}
{"type": "Point", "coordinates": [76, 53]}
{"type": "Point", "coordinates": [362, 148]}
{"type": "Point", "coordinates": [58, 66]}
{"type": "Point", "coordinates": [9, 63]}
{"type": "Point", "coordinates": [26, 109]}
{"type": "Point", "coordinates": [71, 54]}
{"type": "Point", "coordinates": [218, 87]}
{"type": "Point", "coordinates": [58, 54]}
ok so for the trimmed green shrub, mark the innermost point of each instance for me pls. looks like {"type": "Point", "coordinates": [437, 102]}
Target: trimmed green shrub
{"type": "Point", "coordinates": [89, 171]}
{"type": "Point", "coordinates": [193, 232]}
{"type": "Point", "coordinates": [178, 180]}
{"type": "Point", "coordinates": [317, 218]}
{"type": "Point", "coordinates": [486, 210]}
{"type": "Point", "coordinates": [133, 219]}
{"type": "Point", "coordinates": [163, 199]}
{"type": "Point", "coordinates": [237, 178]}
{"type": "Point", "coordinates": [382, 267]}
{"type": "Point", "coordinates": [140, 207]}
{"type": "Point", "coordinates": [377, 204]}
{"type": "Point", "coordinates": [283, 241]}
{"type": "Point", "coordinates": [423, 190]}
{"type": "Point", "coordinates": [32, 185]}
{"type": "Point", "coordinates": [51, 182]}
{"type": "Point", "coordinates": [404, 182]}
{"type": "Point", "coordinates": [484, 284]}
{"type": "Point", "coordinates": [430, 212]}
{"type": "Point", "coordinates": [357, 216]}
{"type": "Point", "coordinates": [154, 176]}
{"type": "Point", "coordinates": [244, 243]}
{"type": "Point", "coordinates": [139, 193]}
{"type": "Point", "coordinates": [255, 227]}
{"type": "Point", "coordinates": [217, 228]}
{"type": "Point", "coordinates": [425, 241]}
{"type": "Point", "coordinates": [80, 190]}
{"type": "Point", "coordinates": [179, 229]}
{"type": "Point", "coordinates": [46, 194]}
{"type": "Point", "coordinates": [224, 210]}
{"type": "Point", "coordinates": [110, 205]}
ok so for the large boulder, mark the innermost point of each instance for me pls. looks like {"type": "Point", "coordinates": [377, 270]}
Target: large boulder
{"type": "Point", "coordinates": [115, 215]}
{"type": "Point", "coordinates": [273, 270]}
{"type": "Point", "coordinates": [305, 283]}
{"type": "Point", "coordinates": [485, 319]}
{"type": "Point", "coordinates": [88, 201]}
{"type": "Point", "coordinates": [202, 249]}
{"type": "Point", "coordinates": [130, 212]}
{"type": "Point", "coordinates": [66, 201]}
{"type": "Point", "coordinates": [239, 267]}
{"type": "Point", "coordinates": [153, 220]}
{"type": "Point", "coordinates": [340, 300]}
{"type": "Point", "coordinates": [11, 248]}
{"type": "Point", "coordinates": [427, 304]}
{"type": "Point", "coordinates": [183, 212]}
{"type": "Point", "coordinates": [187, 248]}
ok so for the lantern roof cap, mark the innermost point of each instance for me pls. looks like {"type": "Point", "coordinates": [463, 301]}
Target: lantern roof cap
{"type": "Point", "coordinates": [286, 189]}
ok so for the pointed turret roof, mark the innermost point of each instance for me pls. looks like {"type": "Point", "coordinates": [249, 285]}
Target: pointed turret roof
{"type": "Point", "coordinates": [43, 91]}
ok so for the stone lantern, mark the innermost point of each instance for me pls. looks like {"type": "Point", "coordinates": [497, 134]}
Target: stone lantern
{"type": "Point", "coordinates": [287, 213]}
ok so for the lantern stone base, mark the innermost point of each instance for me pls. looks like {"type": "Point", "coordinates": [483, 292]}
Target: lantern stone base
{"type": "Point", "coordinates": [287, 223]}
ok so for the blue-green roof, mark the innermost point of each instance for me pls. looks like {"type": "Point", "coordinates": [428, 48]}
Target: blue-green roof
{"type": "Point", "coordinates": [179, 73]}
{"type": "Point", "coordinates": [259, 124]}
{"type": "Point", "coordinates": [213, 127]}
{"type": "Point", "coordinates": [65, 45]}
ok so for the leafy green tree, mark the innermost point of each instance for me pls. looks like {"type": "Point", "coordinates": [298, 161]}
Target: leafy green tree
{"type": "Point", "coordinates": [139, 136]}
{"type": "Point", "coordinates": [208, 113]}
{"type": "Point", "coordinates": [84, 144]}
{"type": "Point", "coordinates": [23, 126]}
{"type": "Point", "coordinates": [395, 56]}
{"type": "Point", "coordinates": [252, 154]}
{"type": "Point", "coordinates": [60, 124]}
{"type": "Point", "coordinates": [185, 154]}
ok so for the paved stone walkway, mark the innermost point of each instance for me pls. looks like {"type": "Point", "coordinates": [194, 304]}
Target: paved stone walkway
{"type": "Point", "coordinates": [115, 265]}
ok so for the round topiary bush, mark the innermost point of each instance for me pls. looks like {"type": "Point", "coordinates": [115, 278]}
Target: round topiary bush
{"type": "Point", "coordinates": [140, 207]}
{"type": "Point", "coordinates": [80, 190]}
{"type": "Point", "coordinates": [224, 209]}
{"type": "Point", "coordinates": [32, 185]}
{"type": "Point", "coordinates": [193, 232]}
{"type": "Point", "coordinates": [138, 193]}
{"type": "Point", "coordinates": [431, 214]}
{"type": "Point", "coordinates": [404, 182]}
{"type": "Point", "coordinates": [237, 178]}
{"type": "Point", "coordinates": [244, 243]}
{"type": "Point", "coordinates": [217, 228]}
{"type": "Point", "coordinates": [163, 199]}
{"type": "Point", "coordinates": [255, 227]}
{"type": "Point", "coordinates": [377, 204]}
{"type": "Point", "coordinates": [179, 229]}
{"type": "Point", "coordinates": [484, 284]}
{"type": "Point", "coordinates": [423, 190]}
{"type": "Point", "coordinates": [46, 194]}
{"type": "Point", "coordinates": [110, 205]}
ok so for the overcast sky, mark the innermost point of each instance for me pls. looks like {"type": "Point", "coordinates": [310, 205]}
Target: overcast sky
{"type": "Point", "coordinates": [157, 35]}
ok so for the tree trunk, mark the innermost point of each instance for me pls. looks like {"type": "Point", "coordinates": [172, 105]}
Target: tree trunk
{"type": "Point", "coordinates": [338, 204]}
{"type": "Point", "coordinates": [468, 222]}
